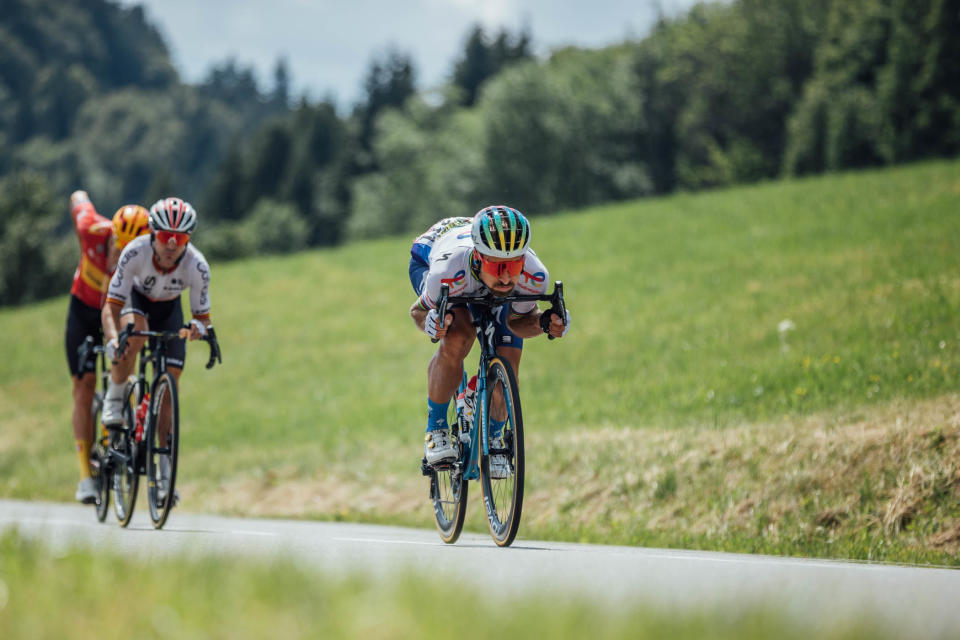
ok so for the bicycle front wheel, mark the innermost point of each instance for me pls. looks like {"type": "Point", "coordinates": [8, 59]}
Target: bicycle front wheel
{"type": "Point", "coordinates": [98, 459]}
{"type": "Point", "coordinates": [122, 458]}
{"type": "Point", "coordinates": [448, 491]}
{"type": "Point", "coordinates": [163, 438]}
{"type": "Point", "coordinates": [501, 470]}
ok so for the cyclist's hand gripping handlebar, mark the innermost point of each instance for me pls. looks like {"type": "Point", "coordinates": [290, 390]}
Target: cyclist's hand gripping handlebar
{"type": "Point", "coordinates": [122, 339]}
{"type": "Point", "coordinates": [84, 351]}
{"type": "Point", "coordinates": [557, 306]}
{"type": "Point", "coordinates": [441, 308]}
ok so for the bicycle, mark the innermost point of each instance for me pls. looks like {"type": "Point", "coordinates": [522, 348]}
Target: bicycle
{"type": "Point", "coordinates": [90, 349]}
{"type": "Point", "coordinates": [150, 427]}
{"type": "Point", "coordinates": [496, 394]}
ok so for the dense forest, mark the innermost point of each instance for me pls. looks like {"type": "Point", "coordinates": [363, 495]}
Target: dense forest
{"type": "Point", "coordinates": [725, 93]}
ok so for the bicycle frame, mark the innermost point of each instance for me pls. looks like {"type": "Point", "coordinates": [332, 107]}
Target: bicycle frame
{"type": "Point", "coordinates": [156, 355]}
{"type": "Point", "coordinates": [483, 309]}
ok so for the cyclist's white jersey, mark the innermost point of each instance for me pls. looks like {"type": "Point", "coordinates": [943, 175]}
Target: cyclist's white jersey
{"type": "Point", "coordinates": [136, 272]}
{"type": "Point", "coordinates": [450, 263]}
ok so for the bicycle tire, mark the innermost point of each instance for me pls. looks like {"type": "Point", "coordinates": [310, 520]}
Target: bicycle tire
{"type": "Point", "coordinates": [125, 476]}
{"type": "Point", "coordinates": [163, 395]}
{"type": "Point", "coordinates": [503, 497]}
{"type": "Point", "coordinates": [98, 459]}
{"type": "Point", "coordinates": [449, 491]}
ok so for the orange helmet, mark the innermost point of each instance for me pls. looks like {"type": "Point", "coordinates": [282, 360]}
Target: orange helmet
{"type": "Point", "coordinates": [130, 221]}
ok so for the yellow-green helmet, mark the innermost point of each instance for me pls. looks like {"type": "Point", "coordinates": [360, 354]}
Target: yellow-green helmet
{"type": "Point", "coordinates": [500, 232]}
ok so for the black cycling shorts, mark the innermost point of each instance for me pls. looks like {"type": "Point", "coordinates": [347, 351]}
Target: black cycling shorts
{"type": "Point", "coordinates": [82, 321]}
{"type": "Point", "coordinates": [161, 316]}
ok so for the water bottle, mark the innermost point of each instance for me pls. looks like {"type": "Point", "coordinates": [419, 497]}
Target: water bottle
{"type": "Point", "coordinates": [141, 417]}
{"type": "Point", "coordinates": [465, 405]}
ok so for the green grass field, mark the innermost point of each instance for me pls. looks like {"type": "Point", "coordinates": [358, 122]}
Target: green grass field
{"type": "Point", "coordinates": [748, 317]}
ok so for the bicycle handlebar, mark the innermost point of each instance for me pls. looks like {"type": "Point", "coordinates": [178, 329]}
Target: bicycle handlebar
{"type": "Point", "coordinates": [555, 299]}
{"type": "Point", "coordinates": [210, 339]}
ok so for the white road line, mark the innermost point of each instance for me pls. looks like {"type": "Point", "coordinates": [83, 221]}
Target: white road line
{"type": "Point", "coordinates": [384, 541]}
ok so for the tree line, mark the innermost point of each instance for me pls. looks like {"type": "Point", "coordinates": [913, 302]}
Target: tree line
{"type": "Point", "coordinates": [723, 94]}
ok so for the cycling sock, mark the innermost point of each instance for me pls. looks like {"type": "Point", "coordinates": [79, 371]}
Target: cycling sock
{"type": "Point", "coordinates": [496, 427]}
{"type": "Point", "coordinates": [114, 391]}
{"type": "Point", "coordinates": [83, 457]}
{"type": "Point", "coordinates": [437, 415]}
{"type": "Point", "coordinates": [164, 461]}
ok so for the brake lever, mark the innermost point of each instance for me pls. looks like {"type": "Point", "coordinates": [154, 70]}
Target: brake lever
{"type": "Point", "coordinates": [442, 307]}
{"type": "Point", "coordinates": [214, 348]}
{"type": "Point", "coordinates": [557, 304]}
{"type": "Point", "coordinates": [122, 339]}
{"type": "Point", "coordinates": [83, 354]}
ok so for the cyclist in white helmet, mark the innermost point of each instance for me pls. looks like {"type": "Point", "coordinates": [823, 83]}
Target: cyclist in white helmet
{"type": "Point", "coordinates": [488, 253]}
{"type": "Point", "coordinates": [145, 289]}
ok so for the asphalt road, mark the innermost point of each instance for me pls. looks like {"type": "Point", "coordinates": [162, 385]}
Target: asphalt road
{"type": "Point", "coordinates": [914, 602]}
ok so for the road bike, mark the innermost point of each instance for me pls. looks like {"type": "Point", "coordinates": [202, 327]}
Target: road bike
{"type": "Point", "coordinates": [149, 436]}
{"type": "Point", "coordinates": [98, 453]}
{"type": "Point", "coordinates": [497, 397]}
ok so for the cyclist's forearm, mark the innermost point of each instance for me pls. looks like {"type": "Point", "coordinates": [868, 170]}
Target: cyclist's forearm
{"type": "Point", "coordinates": [110, 319]}
{"type": "Point", "coordinates": [525, 326]}
{"type": "Point", "coordinates": [419, 315]}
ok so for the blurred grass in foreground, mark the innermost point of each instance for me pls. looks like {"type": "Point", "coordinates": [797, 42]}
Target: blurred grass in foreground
{"type": "Point", "coordinates": [79, 594]}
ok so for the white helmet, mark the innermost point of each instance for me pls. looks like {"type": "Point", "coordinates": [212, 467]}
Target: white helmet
{"type": "Point", "coordinates": [173, 214]}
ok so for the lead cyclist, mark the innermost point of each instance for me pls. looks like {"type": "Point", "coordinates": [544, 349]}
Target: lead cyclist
{"type": "Point", "coordinates": [489, 253]}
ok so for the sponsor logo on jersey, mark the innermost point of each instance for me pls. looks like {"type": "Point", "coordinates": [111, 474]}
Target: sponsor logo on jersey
{"type": "Point", "coordinates": [93, 275]}
{"type": "Point", "coordinates": [205, 278]}
{"type": "Point", "coordinates": [458, 279]}
{"type": "Point", "coordinates": [531, 281]}
{"type": "Point", "coordinates": [125, 257]}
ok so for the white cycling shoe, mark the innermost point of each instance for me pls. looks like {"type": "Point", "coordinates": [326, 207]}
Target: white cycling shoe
{"type": "Point", "coordinates": [162, 492]}
{"type": "Point", "coordinates": [499, 462]}
{"type": "Point", "coordinates": [499, 467]}
{"type": "Point", "coordinates": [437, 447]}
{"type": "Point", "coordinates": [87, 491]}
{"type": "Point", "coordinates": [164, 481]}
{"type": "Point", "coordinates": [112, 412]}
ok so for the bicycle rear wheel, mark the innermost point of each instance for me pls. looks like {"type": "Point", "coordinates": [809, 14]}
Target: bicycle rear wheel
{"type": "Point", "coordinates": [162, 439]}
{"type": "Point", "coordinates": [503, 489]}
{"type": "Point", "coordinates": [124, 475]}
{"type": "Point", "coordinates": [448, 491]}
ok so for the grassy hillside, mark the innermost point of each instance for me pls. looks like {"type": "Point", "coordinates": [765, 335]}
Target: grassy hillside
{"type": "Point", "coordinates": [754, 310]}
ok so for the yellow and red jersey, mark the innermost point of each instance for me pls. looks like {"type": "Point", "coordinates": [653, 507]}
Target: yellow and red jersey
{"type": "Point", "coordinates": [92, 276]}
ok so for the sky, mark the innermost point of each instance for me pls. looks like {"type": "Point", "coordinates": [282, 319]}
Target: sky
{"type": "Point", "coordinates": [329, 45]}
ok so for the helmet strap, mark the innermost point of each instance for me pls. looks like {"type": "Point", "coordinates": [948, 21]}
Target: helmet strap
{"type": "Point", "coordinates": [475, 265]}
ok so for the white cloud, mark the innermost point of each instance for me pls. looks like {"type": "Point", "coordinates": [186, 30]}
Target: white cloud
{"type": "Point", "coordinates": [490, 13]}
